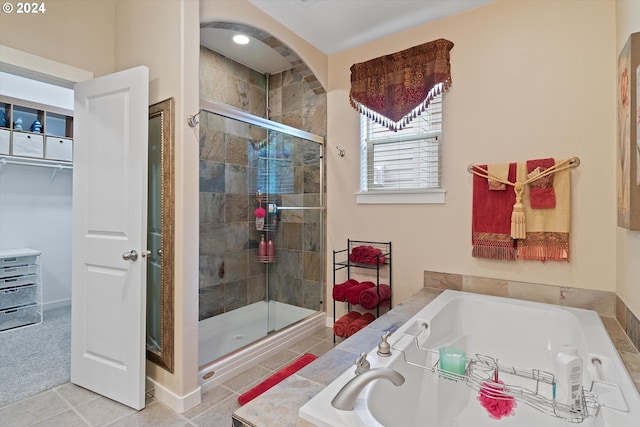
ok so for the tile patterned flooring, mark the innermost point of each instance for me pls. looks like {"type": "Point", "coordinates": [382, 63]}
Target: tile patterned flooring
{"type": "Point", "coordinates": [71, 406]}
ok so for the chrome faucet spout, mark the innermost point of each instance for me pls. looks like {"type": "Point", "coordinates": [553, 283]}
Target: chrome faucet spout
{"type": "Point", "coordinates": [346, 398]}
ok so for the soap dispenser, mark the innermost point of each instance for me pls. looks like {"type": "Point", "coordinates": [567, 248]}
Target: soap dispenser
{"type": "Point", "coordinates": [262, 249]}
{"type": "Point", "coordinates": [271, 250]}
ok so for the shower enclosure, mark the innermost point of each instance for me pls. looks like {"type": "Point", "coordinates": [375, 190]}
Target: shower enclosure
{"type": "Point", "coordinates": [247, 163]}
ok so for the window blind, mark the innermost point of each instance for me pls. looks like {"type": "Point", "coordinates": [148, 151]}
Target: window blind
{"type": "Point", "coordinates": [409, 159]}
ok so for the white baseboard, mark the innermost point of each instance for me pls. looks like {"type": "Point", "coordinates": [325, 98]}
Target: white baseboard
{"type": "Point", "coordinates": [329, 322]}
{"type": "Point", "coordinates": [179, 404]}
{"type": "Point", "coordinates": [56, 304]}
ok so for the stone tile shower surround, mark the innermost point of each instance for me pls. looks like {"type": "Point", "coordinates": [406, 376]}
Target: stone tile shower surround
{"type": "Point", "coordinates": [230, 277]}
{"type": "Point", "coordinates": [607, 304]}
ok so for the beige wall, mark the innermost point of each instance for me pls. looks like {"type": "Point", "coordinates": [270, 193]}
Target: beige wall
{"type": "Point", "coordinates": [164, 36]}
{"type": "Point", "coordinates": [79, 33]}
{"type": "Point", "coordinates": [628, 242]}
{"type": "Point", "coordinates": [530, 80]}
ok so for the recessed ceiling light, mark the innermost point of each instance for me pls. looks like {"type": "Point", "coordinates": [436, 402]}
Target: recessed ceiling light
{"type": "Point", "coordinates": [241, 39]}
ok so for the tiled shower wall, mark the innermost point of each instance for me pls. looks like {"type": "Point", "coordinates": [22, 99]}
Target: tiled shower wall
{"type": "Point", "coordinates": [230, 276]}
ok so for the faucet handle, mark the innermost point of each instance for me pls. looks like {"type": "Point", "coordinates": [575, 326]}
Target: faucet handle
{"type": "Point", "coordinates": [384, 349]}
{"type": "Point", "coordinates": [362, 364]}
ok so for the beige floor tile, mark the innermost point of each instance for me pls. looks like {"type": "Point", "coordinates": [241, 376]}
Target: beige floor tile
{"type": "Point", "coordinates": [322, 348]}
{"type": "Point", "coordinates": [209, 399]}
{"type": "Point", "coordinates": [324, 334]}
{"type": "Point", "coordinates": [66, 419]}
{"type": "Point", "coordinates": [74, 394]}
{"type": "Point", "coordinates": [305, 344]}
{"type": "Point", "coordinates": [279, 360]}
{"type": "Point", "coordinates": [154, 415]}
{"type": "Point", "coordinates": [32, 410]}
{"type": "Point", "coordinates": [103, 411]}
{"type": "Point", "coordinates": [247, 379]}
{"type": "Point", "coordinates": [219, 415]}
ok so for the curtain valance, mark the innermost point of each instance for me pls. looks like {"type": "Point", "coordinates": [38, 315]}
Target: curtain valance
{"type": "Point", "coordinates": [393, 89]}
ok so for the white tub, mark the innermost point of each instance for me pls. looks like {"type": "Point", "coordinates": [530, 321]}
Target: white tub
{"type": "Point", "coordinates": [520, 335]}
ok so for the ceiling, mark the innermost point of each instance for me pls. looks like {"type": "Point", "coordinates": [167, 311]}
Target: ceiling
{"type": "Point", "coordinates": [332, 26]}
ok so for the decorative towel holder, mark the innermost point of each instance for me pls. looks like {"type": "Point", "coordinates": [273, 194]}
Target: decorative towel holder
{"type": "Point", "coordinates": [518, 229]}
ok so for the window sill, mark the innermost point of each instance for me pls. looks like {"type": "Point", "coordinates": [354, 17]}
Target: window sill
{"type": "Point", "coordinates": [425, 197]}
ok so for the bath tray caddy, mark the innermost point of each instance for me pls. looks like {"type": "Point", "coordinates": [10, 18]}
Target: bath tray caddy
{"type": "Point", "coordinates": [482, 372]}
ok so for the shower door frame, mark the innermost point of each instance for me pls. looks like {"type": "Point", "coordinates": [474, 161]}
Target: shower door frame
{"type": "Point", "coordinates": [234, 113]}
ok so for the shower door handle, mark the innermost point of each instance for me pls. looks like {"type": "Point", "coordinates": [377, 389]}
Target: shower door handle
{"type": "Point", "coordinates": [132, 255]}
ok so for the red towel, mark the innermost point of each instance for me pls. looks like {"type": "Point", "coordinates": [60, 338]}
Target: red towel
{"type": "Point", "coordinates": [367, 255]}
{"type": "Point", "coordinates": [340, 328]}
{"type": "Point", "coordinates": [353, 293]}
{"type": "Point", "coordinates": [370, 299]}
{"type": "Point", "coordinates": [360, 323]}
{"type": "Point", "coordinates": [340, 289]}
{"type": "Point", "coordinates": [491, 219]}
{"type": "Point", "coordinates": [541, 194]}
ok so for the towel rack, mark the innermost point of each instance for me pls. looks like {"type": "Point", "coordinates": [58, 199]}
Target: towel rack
{"type": "Point", "coordinates": [574, 162]}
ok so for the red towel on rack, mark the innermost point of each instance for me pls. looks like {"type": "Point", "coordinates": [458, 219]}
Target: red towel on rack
{"type": "Point", "coordinates": [340, 327]}
{"type": "Point", "coordinates": [370, 299]}
{"type": "Point", "coordinates": [340, 289]}
{"type": "Point", "coordinates": [353, 293]}
{"type": "Point", "coordinates": [367, 255]}
{"type": "Point", "coordinates": [360, 323]}
{"type": "Point", "coordinates": [541, 193]}
{"type": "Point", "coordinates": [491, 219]}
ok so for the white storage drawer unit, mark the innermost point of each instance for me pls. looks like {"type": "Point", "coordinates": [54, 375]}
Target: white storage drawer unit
{"type": "Point", "coordinates": [18, 296]}
{"type": "Point", "coordinates": [20, 288]}
{"type": "Point", "coordinates": [59, 148]}
{"type": "Point", "coordinates": [5, 141]}
{"type": "Point", "coordinates": [20, 316]}
{"type": "Point", "coordinates": [28, 145]}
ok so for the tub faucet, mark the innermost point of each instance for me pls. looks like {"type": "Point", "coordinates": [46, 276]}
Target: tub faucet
{"type": "Point", "coordinates": [362, 364]}
{"type": "Point", "coordinates": [346, 398]}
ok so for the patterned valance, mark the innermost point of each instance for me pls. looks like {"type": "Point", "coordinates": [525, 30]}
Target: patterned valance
{"type": "Point", "coordinates": [393, 89]}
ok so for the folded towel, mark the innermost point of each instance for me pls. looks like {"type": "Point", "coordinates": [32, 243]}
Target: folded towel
{"type": "Point", "coordinates": [352, 294]}
{"type": "Point", "coordinates": [548, 230]}
{"type": "Point", "coordinates": [339, 290]}
{"type": "Point", "coordinates": [341, 325]}
{"type": "Point", "coordinates": [360, 323]}
{"type": "Point", "coordinates": [370, 299]}
{"type": "Point", "coordinates": [541, 193]}
{"type": "Point", "coordinates": [491, 219]}
{"type": "Point", "coordinates": [500, 170]}
{"type": "Point", "coordinates": [367, 255]}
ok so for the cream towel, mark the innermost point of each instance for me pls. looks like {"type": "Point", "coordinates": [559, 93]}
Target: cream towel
{"type": "Point", "coordinates": [547, 230]}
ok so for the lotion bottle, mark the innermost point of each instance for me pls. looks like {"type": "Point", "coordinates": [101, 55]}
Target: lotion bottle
{"type": "Point", "coordinates": [262, 249]}
{"type": "Point", "coordinates": [271, 250]}
{"type": "Point", "coordinates": [569, 377]}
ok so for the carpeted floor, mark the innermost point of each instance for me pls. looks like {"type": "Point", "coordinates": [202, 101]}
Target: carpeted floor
{"type": "Point", "coordinates": [35, 358]}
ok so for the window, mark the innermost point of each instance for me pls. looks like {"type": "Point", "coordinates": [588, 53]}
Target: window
{"type": "Point", "coordinates": [402, 166]}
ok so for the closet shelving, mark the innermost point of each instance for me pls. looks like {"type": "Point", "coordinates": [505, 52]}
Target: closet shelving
{"type": "Point", "coordinates": [35, 135]}
{"type": "Point", "coordinates": [20, 288]}
{"type": "Point", "coordinates": [382, 267]}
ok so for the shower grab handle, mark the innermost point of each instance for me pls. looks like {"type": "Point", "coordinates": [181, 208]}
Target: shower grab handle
{"type": "Point", "coordinates": [290, 208]}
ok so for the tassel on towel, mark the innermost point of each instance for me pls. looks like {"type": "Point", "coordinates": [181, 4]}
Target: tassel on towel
{"type": "Point", "coordinates": [518, 223]}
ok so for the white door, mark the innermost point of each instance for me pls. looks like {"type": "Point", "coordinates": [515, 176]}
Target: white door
{"type": "Point", "coordinates": [108, 308]}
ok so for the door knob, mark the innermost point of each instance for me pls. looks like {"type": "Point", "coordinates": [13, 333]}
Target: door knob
{"type": "Point", "coordinates": [145, 253]}
{"type": "Point", "coordinates": [132, 255]}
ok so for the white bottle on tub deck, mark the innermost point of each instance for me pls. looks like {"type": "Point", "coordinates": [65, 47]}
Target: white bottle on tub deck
{"type": "Point", "coordinates": [569, 377]}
